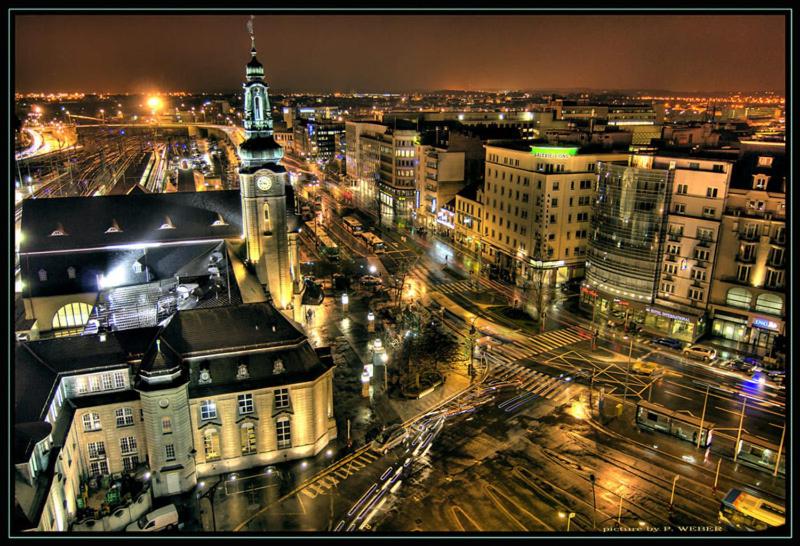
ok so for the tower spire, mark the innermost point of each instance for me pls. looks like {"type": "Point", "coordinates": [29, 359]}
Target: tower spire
{"type": "Point", "coordinates": [252, 35]}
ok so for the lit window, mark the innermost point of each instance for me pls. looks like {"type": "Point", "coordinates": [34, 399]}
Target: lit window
{"type": "Point", "coordinates": [71, 272]}
{"type": "Point", "coordinates": [283, 428]}
{"type": "Point", "coordinates": [211, 444]}
{"type": "Point", "coordinates": [208, 410]}
{"type": "Point", "coordinates": [42, 275]}
{"type": "Point", "coordinates": [97, 450]}
{"type": "Point", "coordinates": [166, 425]}
{"type": "Point", "coordinates": [127, 445]}
{"type": "Point", "coordinates": [169, 451]}
{"type": "Point", "coordinates": [248, 437]}
{"type": "Point", "coordinates": [282, 398]}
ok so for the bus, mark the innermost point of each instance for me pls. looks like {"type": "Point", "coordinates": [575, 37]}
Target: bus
{"type": "Point", "coordinates": [740, 511]}
{"type": "Point", "coordinates": [352, 225]}
{"type": "Point", "coordinates": [326, 246]}
{"type": "Point", "coordinates": [685, 427]}
{"type": "Point", "coordinates": [375, 244]}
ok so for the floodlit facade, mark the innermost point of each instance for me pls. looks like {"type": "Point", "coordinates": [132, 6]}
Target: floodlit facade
{"type": "Point", "coordinates": [440, 175]}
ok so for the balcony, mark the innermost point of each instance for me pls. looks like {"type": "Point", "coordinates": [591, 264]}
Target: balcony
{"type": "Point", "coordinates": [700, 264]}
{"type": "Point", "coordinates": [671, 257]}
{"type": "Point", "coordinates": [704, 242]}
{"type": "Point", "coordinates": [776, 264]}
{"type": "Point", "coordinates": [675, 236]}
{"type": "Point", "coordinates": [748, 236]}
{"type": "Point", "coordinates": [744, 259]}
{"type": "Point", "coordinates": [778, 241]}
{"type": "Point", "coordinates": [667, 277]}
{"type": "Point", "coordinates": [697, 283]}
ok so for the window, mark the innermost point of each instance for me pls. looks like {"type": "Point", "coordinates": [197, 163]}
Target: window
{"type": "Point", "coordinates": [245, 404]}
{"type": "Point", "coordinates": [42, 275]}
{"type": "Point", "coordinates": [582, 217]}
{"type": "Point", "coordinates": [586, 184]}
{"type": "Point", "coordinates": [127, 445]}
{"type": "Point", "coordinates": [208, 410]}
{"type": "Point", "coordinates": [71, 272]}
{"type": "Point", "coordinates": [774, 279]}
{"type": "Point", "coordinates": [776, 257]}
{"type": "Point", "coordinates": [166, 425]}
{"type": "Point", "coordinates": [98, 468]}
{"type": "Point", "coordinates": [711, 192]}
{"type": "Point", "coordinates": [668, 287]}
{"type": "Point", "coordinates": [554, 203]}
{"type": "Point", "coordinates": [124, 417]}
{"type": "Point", "coordinates": [700, 254]}
{"type": "Point", "coordinates": [770, 303]}
{"type": "Point", "coordinates": [739, 297]}
{"type": "Point", "coordinates": [709, 211]}
{"type": "Point", "coordinates": [552, 218]}
{"type": "Point", "coordinates": [699, 274]}
{"type": "Point", "coordinates": [130, 462]}
{"type": "Point", "coordinates": [169, 451]}
{"type": "Point", "coordinates": [119, 380]}
{"type": "Point", "coordinates": [765, 161]}
{"type": "Point", "coordinates": [696, 294]}
{"type": "Point", "coordinates": [282, 398]}
{"type": "Point", "coordinates": [680, 208]}
{"type": "Point", "coordinates": [211, 444]}
{"type": "Point", "coordinates": [248, 437]}
{"type": "Point", "coordinates": [91, 421]}
{"type": "Point", "coordinates": [671, 269]}
{"type": "Point", "coordinates": [283, 428]}
{"type": "Point", "coordinates": [705, 234]}
{"type": "Point", "coordinates": [555, 186]}
{"type": "Point", "coordinates": [682, 189]}
{"type": "Point", "coordinates": [673, 249]}
{"type": "Point", "coordinates": [97, 450]}
{"type": "Point", "coordinates": [760, 181]}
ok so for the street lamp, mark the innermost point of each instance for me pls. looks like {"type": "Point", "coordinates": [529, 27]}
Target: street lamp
{"type": "Point", "coordinates": [672, 495]}
{"type": "Point", "coordinates": [569, 517]}
{"type": "Point", "coordinates": [370, 322]}
{"type": "Point", "coordinates": [345, 302]}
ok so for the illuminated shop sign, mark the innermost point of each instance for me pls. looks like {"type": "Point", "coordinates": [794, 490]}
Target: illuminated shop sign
{"type": "Point", "coordinates": [589, 291]}
{"type": "Point", "coordinates": [666, 314]}
{"type": "Point", "coordinates": [764, 323]}
{"type": "Point", "coordinates": [553, 151]}
{"type": "Point", "coordinates": [537, 263]}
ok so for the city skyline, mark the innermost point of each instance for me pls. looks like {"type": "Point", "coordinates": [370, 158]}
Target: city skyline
{"type": "Point", "coordinates": [158, 53]}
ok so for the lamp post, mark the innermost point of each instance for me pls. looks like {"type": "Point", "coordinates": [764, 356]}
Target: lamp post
{"type": "Point", "coordinates": [627, 373]}
{"type": "Point", "coordinates": [569, 517]}
{"type": "Point", "coordinates": [370, 322]}
{"type": "Point", "coordinates": [739, 434]}
{"type": "Point", "coordinates": [702, 417]}
{"type": "Point", "coordinates": [672, 495]}
{"type": "Point", "coordinates": [594, 502]}
{"type": "Point", "coordinates": [209, 494]}
{"type": "Point", "coordinates": [472, 332]}
{"type": "Point", "coordinates": [345, 302]}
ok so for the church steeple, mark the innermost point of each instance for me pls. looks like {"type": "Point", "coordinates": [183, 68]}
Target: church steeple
{"type": "Point", "coordinates": [259, 147]}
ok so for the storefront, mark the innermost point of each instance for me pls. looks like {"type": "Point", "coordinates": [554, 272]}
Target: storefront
{"type": "Point", "coordinates": [764, 331]}
{"type": "Point", "coordinates": [683, 326]}
{"type": "Point", "coordinates": [731, 326]}
{"type": "Point", "coordinates": [619, 310]}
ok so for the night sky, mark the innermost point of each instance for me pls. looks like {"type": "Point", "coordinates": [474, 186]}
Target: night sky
{"type": "Point", "coordinates": [135, 53]}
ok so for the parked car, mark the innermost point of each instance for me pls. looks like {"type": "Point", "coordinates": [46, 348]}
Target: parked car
{"type": "Point", "coordinates": [668, 342]}
{"type": "Point", "coordinates": [700, 352]}
{"type": "Point", "coordinates": [370, 280]}
{"type": "Point", "coordinates": [165, 517]}
{"type": "Point", "coordinates": [645, 368]}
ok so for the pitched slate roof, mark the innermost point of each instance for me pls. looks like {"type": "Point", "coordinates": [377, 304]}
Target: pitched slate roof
{"type": "Point", "coordinates": [85, 220]}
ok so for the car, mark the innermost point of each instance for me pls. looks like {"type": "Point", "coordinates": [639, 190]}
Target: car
{"type": "Point", "coordinates": [571, 285]}
{"type": "Point", "coordinates": [645, 368]}
{"type": "Point", "coordinates": [668, 342]}
{"type": "Point", "coordinates": [162, 518]}
{"type": "Point", "coordinates": [700, 352]}
{"type": "Point", "coordinates": [371, 280]}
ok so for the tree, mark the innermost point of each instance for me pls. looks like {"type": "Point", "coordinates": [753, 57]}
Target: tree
{"type": "Point", "coordinates": [427, 350]}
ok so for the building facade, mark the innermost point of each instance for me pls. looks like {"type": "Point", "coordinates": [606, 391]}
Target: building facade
{"type": "Point", "coordinates": [440, 175]}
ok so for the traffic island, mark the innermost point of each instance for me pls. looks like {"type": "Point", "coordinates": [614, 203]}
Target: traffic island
{"type": "Point", "coordinates": [425, 385]}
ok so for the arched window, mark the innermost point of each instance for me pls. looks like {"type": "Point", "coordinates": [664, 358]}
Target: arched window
{"type": "Point", "coordinates": [248, 437]}
{"type": "Point", "coordinates": [739, 297]}
{"type": "Point", "coordinates": [283, 428]}
{"type": "Point", "coordinates": [211, 444]}
{"type": "Point", "coordinates": [91, 421]}
{"type": "Point", "coordinates": [770, 303]}
{"type": "Point", "coordinates": [72, 315]}
{"type": "Point", "coordinates": [42, 275]}
{"type": "Point", "coordinates": [257, 115]}
{"type": "Point", "coordinates": [71, 272]}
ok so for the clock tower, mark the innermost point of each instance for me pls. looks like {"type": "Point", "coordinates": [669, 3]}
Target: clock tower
{"type": "Point", "coordinates": [262, 182]}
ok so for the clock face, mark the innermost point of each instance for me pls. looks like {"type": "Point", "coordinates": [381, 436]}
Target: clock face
{"type": "Point", "coordinates": [264, 183]}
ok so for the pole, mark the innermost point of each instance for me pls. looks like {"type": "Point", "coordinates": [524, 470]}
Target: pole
{"type": "Point", "coordinates": [716, 475]}
{"type": "Point", "coordinates": [780, 450]}
{"type": "Point", "coordinates": [739, 434]}
{"type": "Point", "coordinates": [627, 374]}
{"type": "Point", "coordinates": [702, 417]}
{"type": "Point", "coordinates": [672, 495]}
{"type": "Point", "coordinates": [569, 519]}
{"type": "Point", "coordinates": [594, 502]}
{"type": "Point", "coordinates": [619, 512]}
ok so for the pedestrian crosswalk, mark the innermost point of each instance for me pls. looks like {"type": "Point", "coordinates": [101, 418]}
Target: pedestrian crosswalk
{"type": "Point", "coordinates": [535, 384]}
{"type": "Point", "coordinates": [459, 287]}
{"type": "Point", "coordinates": [530, 347]}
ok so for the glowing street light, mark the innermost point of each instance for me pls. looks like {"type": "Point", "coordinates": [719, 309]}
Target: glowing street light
{"type": "Point", "coordinates": [562, 515]}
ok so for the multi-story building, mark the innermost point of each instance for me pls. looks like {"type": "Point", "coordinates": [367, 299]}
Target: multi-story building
{"type": "Point", "coordinates": [216, 390]}
{"type": "Point", "coordinates": [381, 160]}
{"type": "Point", "coordinates": [537, 205]}
{"type": "Point", "coordinates": [748, 294]}
{"type": "Point", "coordinates": [440, 175]}
{"type": "Point", "coordinates": [315, 140]}
{"type": "Point", "coordinates": [468, 219]}
{"type": "Point", "coordinates": [654, 239]}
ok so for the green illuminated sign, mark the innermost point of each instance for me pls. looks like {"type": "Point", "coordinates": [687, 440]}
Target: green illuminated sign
{"type": "Point", "coordinates": [553, 151]}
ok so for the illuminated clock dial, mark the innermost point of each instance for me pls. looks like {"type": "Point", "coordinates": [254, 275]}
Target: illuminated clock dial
{"type": "Point", "coordinates": [264, 183]}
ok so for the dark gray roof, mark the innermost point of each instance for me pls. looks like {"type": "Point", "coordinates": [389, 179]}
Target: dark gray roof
{"type": "Point", "coordinates": [747, 166]}
{"type": "Point", "coordinates": [138, 216]}
{"type": "Point", "coordinates": [199, 332]}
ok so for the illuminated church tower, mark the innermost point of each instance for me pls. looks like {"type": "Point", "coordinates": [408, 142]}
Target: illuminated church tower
{"type": "Point", "coordinates": [262, 182]}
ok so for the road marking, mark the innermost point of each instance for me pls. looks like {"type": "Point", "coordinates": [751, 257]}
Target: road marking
{"type": "Point", "coordinates": [678, 395]}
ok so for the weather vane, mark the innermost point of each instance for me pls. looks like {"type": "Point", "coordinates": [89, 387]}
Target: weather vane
{"type": "Point", "coordinates": [251, 31]}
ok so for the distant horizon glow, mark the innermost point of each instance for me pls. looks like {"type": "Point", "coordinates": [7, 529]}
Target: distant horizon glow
{"type": "Point", "coordinates": [123, 53]}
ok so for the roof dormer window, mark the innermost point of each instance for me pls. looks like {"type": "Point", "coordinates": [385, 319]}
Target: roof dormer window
{"type": "Point", "coordinates": [220, 221]}
{"type": "Point", "coordinates": [167, 223]}
{"type": "Point", "coordinates": [765, 161]}
{"type": "Point", "coordinates": [760, 181]}
{"type": "Point", "coordinates": [58, 232]}
{"type": "Point", "coordinates": [114, 227]}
